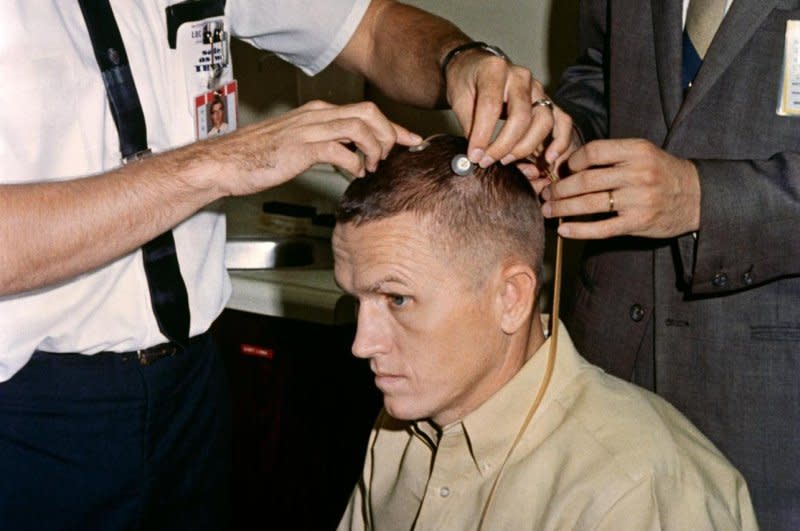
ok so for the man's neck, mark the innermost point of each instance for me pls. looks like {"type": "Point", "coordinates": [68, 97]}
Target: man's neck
{"type": "Point", "coordinates": [536, 337]}
{"type": "Point", "coordinates": [520, 349]}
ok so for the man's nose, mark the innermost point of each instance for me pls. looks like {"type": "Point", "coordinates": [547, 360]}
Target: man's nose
{"type": "Point", "coordinates": [372, 337]}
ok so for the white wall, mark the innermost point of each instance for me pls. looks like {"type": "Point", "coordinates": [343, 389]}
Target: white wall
{"type": "Point", "coordinates": [539, 34]}
{"type": "Point", "coordinates": [520, 27]}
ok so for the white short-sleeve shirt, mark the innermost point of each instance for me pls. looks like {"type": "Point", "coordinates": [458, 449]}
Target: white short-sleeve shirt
{"type": "Point", "coordinates": [56, 125]}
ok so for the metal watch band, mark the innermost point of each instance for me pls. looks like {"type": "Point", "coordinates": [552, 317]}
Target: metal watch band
{"type": "Point", "coordinates": [489, 48]}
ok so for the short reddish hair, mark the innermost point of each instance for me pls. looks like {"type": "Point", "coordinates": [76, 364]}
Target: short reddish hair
{"type": "Point", "coordinates": [492, 213]}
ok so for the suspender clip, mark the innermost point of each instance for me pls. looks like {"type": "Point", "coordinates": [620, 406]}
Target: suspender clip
{"type": "Point", "coordinates": [139, 155]}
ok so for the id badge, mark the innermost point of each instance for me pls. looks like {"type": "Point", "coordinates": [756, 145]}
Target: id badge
{"type": "Point", "coordinates": [215, 112]}
{"type": "Point", "coordinates": [204, 48]}
{"type": "Point", "coordinates": [789, 99]}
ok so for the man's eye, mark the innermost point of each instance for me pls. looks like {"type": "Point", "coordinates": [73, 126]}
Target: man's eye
{"type": "Point", "coordinates": [397, 300]}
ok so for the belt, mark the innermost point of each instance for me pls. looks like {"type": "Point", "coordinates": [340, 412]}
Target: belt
{"type": "Point", "coordinates": [151, 355]}
{"type": "Point", "coordinates": [145, 356]}
{"type": "Point", "coordinates": [148, 356]}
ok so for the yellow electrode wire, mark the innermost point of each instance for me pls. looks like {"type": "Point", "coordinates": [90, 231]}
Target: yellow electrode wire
{"type": "Point", "coordinates": [548, 371]}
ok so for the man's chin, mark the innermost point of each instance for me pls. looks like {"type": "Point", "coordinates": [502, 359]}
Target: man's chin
{"type": "Point", "coordinates": [396, 410]}
{"type": "Point", "coordinates": [400, 409]}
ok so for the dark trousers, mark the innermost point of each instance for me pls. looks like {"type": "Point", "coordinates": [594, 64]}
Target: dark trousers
{"type": "Point", "coordinates": [104, 443]}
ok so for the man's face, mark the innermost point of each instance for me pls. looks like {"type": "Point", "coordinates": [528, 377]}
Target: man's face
{"type": "Point", "coordinates": [432, 337]}
{"type": "Point", "coordinates": [217, 114]}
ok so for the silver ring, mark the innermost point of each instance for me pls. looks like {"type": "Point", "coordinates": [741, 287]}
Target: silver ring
{"type": "Point", "coordinates": [546, 102]}
{"type": "Point", "coordinates": [610, 201]}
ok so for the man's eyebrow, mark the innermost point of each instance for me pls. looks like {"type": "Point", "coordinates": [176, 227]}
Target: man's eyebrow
{"type": "Point", "coordinates": [376, 287]}
{"type": "Point", "coordinates": [379, 285]}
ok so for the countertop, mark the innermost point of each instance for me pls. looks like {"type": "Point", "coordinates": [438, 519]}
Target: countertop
{"type": "Point", "coordinates": [306, 293]}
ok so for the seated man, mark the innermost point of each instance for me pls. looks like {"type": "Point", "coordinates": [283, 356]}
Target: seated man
{"type": "Point", "coordinates": [446, 269]}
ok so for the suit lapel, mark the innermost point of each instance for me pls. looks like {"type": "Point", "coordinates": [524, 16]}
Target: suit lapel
{"type": "Point", "coordinates": [742, 20]}
{"type": "Point", "coordinates": [667, 33]}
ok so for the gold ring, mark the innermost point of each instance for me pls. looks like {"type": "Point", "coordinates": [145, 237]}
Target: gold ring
{"type": "Point", "coordinates": [547, 102]}
{"type": "Point", "coordinates": [610, 201]}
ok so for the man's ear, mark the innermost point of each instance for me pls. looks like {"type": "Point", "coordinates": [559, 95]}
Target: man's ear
{"type": "Point", "coordinates": [518, 290]}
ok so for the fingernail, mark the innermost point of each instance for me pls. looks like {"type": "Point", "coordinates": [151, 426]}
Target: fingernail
{"type": "Point", "coordinates": [475, 155]}
{"type": "Point", "coordinates": [529, 171]}
{"type": "Point", "coordinates": [545, 194]}
{"type": "Point", "coordinates": [551, 156]}
{"type": "Point", "coordinates": [486, 161]}
{"type": "Point", "coordinates": [507, 159]}
{"type": "Point", "coordinates": [415, 138]}
{"type": "Point", "coordinates": [547, 210]}
{"type": "Point", "coordinates": [564, 231]}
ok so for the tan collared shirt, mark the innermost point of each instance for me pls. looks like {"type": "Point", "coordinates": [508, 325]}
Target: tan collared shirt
{"type": "Point", "coordinates": [599, 453]}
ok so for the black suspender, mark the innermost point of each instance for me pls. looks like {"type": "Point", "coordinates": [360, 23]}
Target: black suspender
{"type": "Point", "coordinates": [167, 290]}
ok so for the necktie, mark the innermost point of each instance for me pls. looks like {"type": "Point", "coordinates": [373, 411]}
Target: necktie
{"type": "Point", "coordinates": [702, 21]}
{"type": "Point", "coordinates": [168, 295]}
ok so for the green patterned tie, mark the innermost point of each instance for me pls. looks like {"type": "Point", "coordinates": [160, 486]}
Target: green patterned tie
{"type": "Point", "coordinates": [702, 21]}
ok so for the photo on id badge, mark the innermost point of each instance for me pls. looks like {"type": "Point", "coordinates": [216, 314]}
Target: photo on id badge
{"type": "Point", "coordinates": [216, 111]}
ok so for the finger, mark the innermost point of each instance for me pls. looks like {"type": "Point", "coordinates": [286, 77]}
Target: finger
{"type": "Point", "coordinates": [368, 113]}
{"type": "Point", "coordinates": [531, 143]}
{"type": "Point", "coordinates": [382, 127]}
{"type": "Point", "coordinates": [365, 138]}
{"type": "Point", "coordinates": [464, 117]}
{"type": "Point", "coordinates": [405, 137]}
{"type": "Point", "coordinates": [540, 184]}
{"type": "Point", "coordinates": [346, 130]}
{"type": "Point", "coordinates": [518, 120]}
{"type": "Point", "coordinates": [562, 136]}
{"type": "Point", "coordinates": [607, 152]}
{"type": "Point", "coordinates": [332, 152]}
{"type": "Point", "coordinates": [529, 170]}
{"type": "Point", "coordinates": [585, 182]}
{"type": "Point", "coordinates": [560, 165]}
{"type": "Point", "coordinates": [594, 203]}
{"type": "Point", "coordinates": [490, 85]}
{"type": "Point", "coordinates": [594, 230]}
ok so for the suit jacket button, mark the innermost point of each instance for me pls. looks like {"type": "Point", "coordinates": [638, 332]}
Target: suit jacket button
{"type": "Point", "coordinates": [748, 278]}
{"type": "Point", "coordinates": [637, 313]}
{"type": "Point", "coordinates": [720, 280]}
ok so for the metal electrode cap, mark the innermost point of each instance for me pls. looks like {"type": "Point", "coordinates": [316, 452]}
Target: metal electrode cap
{"type": "Point", "coordinates": [461, 165]}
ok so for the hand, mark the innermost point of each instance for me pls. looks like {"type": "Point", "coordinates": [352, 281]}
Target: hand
{"type": "Point", "coordinates": [479, 86]}
{"type": "Point", "coordinates": [655, 194]}
{"type": "Point", "coordinates": [274, 151]}
{"type": "Point", "coordinates": [539, 178]}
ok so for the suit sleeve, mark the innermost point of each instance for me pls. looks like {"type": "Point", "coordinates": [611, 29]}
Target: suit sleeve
{"type": "Point", "coordinates": [581, 92]}
{"type": "Point", "coordinates": [749, 212]}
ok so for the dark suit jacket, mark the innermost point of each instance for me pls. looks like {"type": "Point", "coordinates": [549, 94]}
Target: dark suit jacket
{"type": "Point", "coordinates": [713, 325]}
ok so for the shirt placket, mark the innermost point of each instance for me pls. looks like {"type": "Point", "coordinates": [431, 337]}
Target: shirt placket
{"type": "Point", "coordinates": [451, 474]}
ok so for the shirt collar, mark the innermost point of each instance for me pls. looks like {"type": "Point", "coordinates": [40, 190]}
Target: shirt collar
{"type": "Point", "coordinates": [492, 428]}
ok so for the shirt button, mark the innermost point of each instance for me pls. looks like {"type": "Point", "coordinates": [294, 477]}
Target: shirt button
{"type": "Point", "coordinates": [720, 280]}
{"type": "Point", "coordinates": [444, 492]}
{"type": "Point", "coordinates": [637, 313]}
{"type": "Point", "coordinates": [748, 278]}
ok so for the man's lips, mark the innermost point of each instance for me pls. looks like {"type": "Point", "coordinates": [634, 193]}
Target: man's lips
{"type": "Point", "coordinates": [387, 381]}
